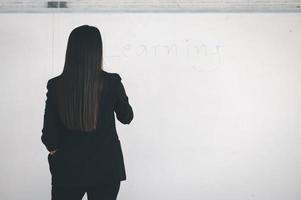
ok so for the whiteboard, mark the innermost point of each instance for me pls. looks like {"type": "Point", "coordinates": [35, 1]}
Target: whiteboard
{"type": "Point", "coordinates": [216, 100]}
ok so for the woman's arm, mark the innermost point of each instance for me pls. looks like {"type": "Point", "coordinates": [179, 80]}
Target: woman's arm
{"type": "Point", "coordinates": [51, 126]}
{"type": "Point", "coordinates": [123, 109]}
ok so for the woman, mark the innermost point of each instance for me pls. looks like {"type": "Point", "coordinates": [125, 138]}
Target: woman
{"type": "Point", "coordinates": [79, 122]}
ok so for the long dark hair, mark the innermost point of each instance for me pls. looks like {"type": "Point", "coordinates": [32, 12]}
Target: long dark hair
{"type": "Point", "coordinates": [80, 84]}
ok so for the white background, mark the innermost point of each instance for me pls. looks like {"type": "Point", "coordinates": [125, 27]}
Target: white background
{"type": "Point", "coordinates": [216, 99]}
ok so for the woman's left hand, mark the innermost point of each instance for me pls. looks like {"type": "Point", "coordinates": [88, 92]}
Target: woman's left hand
{"type": "Point", "coordinates": [52, 152]}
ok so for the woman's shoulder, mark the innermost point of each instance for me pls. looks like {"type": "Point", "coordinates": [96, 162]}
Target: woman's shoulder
{"type": "Point", "coordinates": [51, 81]}
{"type": "Point", "coordinates": [112, 75]}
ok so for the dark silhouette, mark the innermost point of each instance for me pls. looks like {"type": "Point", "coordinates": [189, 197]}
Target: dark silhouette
{"type": "Point", "coordinates": [79, 123]}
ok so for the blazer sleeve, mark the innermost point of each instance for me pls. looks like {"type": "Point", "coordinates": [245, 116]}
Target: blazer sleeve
{"type": "Point", "coordinates": [50, 130]}
{"type": "Point", "coordinates": [123, 109]}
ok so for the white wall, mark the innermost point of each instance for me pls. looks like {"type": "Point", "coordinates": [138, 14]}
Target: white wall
{"type": "Point", "coordinates": [216, 118]}
{"type": "Point", "coordinates": [150, 6]}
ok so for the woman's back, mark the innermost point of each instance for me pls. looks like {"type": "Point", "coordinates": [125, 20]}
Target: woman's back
{"type": "Point", "coordinates": [92, 158]}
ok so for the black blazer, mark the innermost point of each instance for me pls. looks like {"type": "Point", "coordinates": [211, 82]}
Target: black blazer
{"type": "Point", "coordinates": [86, 159]}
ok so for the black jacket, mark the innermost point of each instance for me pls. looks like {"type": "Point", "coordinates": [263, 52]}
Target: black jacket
{"type": "Point", "coordinates": [87, 158]}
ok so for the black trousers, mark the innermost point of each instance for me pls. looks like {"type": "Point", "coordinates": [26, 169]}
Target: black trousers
{"type": "Point", "coordinates": [104, 192]}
